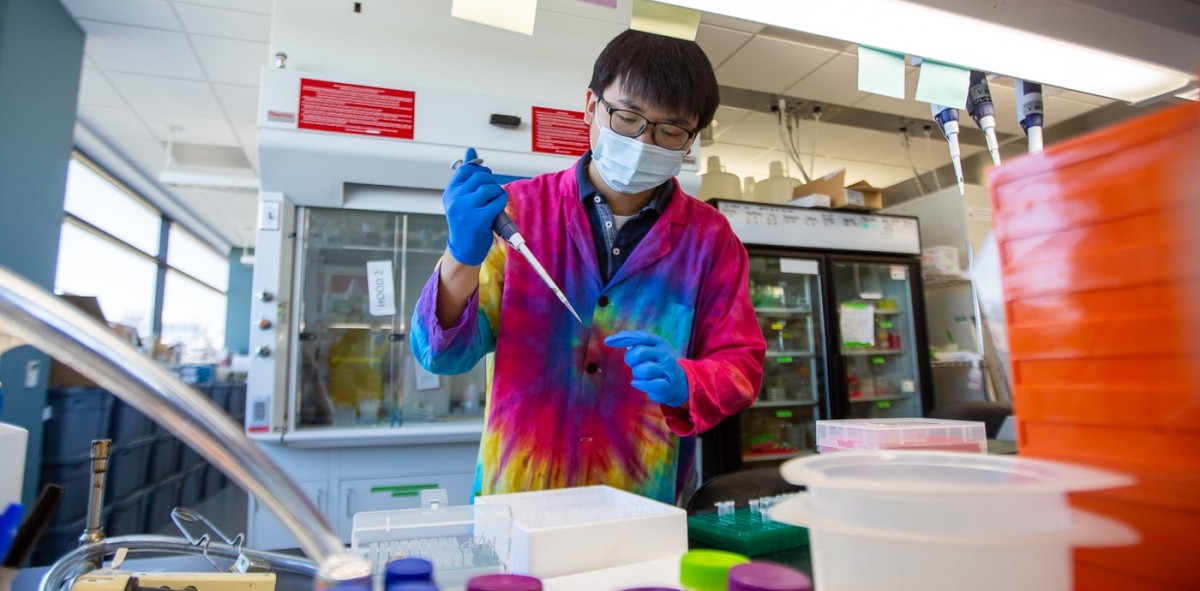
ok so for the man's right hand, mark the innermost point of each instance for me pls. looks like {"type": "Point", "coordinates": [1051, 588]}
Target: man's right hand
{"type": "Point", "coordinates": [472, 201]}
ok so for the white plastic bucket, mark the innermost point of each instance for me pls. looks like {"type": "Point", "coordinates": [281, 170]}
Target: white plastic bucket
{"type": "Point", "coordinates": [944, 520]}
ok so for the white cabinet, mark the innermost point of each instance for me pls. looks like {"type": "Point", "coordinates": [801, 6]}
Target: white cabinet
{"type": "Point", "coordinates": [265, 531]}
{"type": "Point", "coordinates": [365, 477]}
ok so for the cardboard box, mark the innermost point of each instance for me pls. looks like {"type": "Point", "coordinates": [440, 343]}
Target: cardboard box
{"type": "Point", "coordinates": [811, 201]}
{"type": "Point", "coordinates": [62, 375]}
{"type": "Point", "coordinates": [859, 196]}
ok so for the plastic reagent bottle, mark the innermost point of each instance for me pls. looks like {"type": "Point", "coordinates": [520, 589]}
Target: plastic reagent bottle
{"type": "Point", "coordinates": [983, 111]}
{"type": "Point", "coordinates": [767, 576]}
{"type": "Point", "coordinates": [501, 582]}
{"type": "Point", "coordinates": [708, 570]}
{"type": "Point", "coordinates": [947, 119]}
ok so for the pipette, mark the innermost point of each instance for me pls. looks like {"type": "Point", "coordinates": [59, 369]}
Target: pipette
{"type": "Point", "coordinates": [1029, 112]}
{"type": "Point", "coordinates": [983, 111]}
{"type": "Point", "coordinates": [947, 119]}
{"type": "Point", "coordinates": [507, 229]}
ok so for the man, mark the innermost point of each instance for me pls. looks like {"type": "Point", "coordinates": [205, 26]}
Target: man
{"type": "Point", "coordinates": [669, 343]}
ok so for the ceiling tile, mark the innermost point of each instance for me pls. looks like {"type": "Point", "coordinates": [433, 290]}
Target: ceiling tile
{"type": "Point", "coordinates": [114, 124]}
{"type": "Point", "coordinates": [231, 62]}
{"type": "Point", "coordinates": [253, 6]}
{"type": "Point", "coordinates": [835, 140]}
{"type": "Point", "coordinates": [1090, 99]}
{"type": "Point", "coordinates": [755, 129]}
{"type": "Point", "coordinates": [247, 134]}
{"type": "Point", "coordinates": [835, 83]}
{"type": "Point", "coordinates": [718, 44]}
{"type": "Point", "coordinates": [228, 214]}
{"type": "Point", "coordinates": [240, 102]}
{"type": "Point", "coordinates": [141, 51]}
{"type": "Point", "coordinates": [1005, 103]}
{"type": "Point", "coordinates": [1060, 109]}
{"type": "Point", "coordinates": [96, 91]}
{"type": "Point", "coordinates": [155, 14]}
{"type": "Point", "coordinates": [219, 22]}
{"type": "Point", "coordinates": [771, 65]}
{"type": "Point", "coordinates": [729, 22]}
{"type": "Point", "coordinates": [192, 130]}
{"type": "Point", "coordinates": [167, 95]}
{"type": "Point", "coordinates": [726, 118]}
{"type": "Point", "coordinates": [145, 154]}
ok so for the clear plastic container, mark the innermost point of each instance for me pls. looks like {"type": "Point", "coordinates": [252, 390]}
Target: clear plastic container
{"type": "Point", "coordinates": [461, 542]}
{"type": "Point", "coordinates": [944, 521]}
{"type": "Point", "coordinates": [901, 433]}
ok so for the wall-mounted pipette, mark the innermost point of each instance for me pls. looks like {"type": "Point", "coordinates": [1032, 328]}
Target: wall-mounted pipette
{"type": "Point", "coordinates": [506, 228]}
{"type": "Point", "coordinates": [981, 109]}
{"type": "Point", "coordinates": [947, 118]}
{"type": "Point", "coordinates": [1029, 112]}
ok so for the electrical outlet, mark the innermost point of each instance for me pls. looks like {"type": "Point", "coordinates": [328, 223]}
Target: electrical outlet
{"type": "Point", "coordinates": [33, 369]}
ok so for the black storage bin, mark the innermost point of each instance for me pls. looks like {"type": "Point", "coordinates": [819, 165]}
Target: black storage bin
{"type": "Point", "coordinates": [127, 516]}
{"type": "Point", "coordinates": [214, 481]}
{"type": "Point", "coordinates": [163, 498]}
{"type": "Point", "coordinates": [128, 425]}
{"type": "Point", "coordinates": [78, 415]}
{"type": "Point", "coordinates": [128, 469]}
{"type": "Point", "coordinates": [237, 402]}
{"type": "Point", "coordinates": [164, 460]}
{"type": "Point", "coordinates": [56, 541]}
{"type": "Point", "coordinates": [75, 476]}
{"type": "Point", "coordinates": [192, 488]}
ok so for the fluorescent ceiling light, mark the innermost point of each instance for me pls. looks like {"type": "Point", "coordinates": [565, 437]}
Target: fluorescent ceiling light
{"type": "Point", "coordinates": [208, 182]}
{"type": "Point", "coordinates": [511, 15]}
{"type": "Point", "coordinates": [955, 39]}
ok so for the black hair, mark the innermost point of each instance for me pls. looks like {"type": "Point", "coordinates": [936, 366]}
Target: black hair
{"type": "Point", "coordinates": [668, 73]}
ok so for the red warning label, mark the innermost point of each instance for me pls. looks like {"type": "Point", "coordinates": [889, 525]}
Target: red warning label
{"type": "Point", "coordinates": [559, 131]}
{"type": "Point", "coordinates": [351, 108]}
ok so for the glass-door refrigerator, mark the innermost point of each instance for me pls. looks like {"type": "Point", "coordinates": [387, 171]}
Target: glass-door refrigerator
{"type": "Point", "coordinates": [839, 299]}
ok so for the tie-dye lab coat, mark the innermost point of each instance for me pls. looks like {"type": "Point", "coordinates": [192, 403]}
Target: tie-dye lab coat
{"type": "Point", "coordinates": [560, 409]}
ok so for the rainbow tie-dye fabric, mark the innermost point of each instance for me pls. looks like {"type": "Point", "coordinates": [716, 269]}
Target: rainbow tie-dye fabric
{"type": "Point", "coordinates": [560, 409]}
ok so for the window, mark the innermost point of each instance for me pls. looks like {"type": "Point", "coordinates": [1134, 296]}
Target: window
{"type": "Point", "coordinates": [93, 198]}
{"type": "Point", "coordinates": [193, 314]}
{"type": "Point", "coordinates": [121, 279]}
{"type": "Point", "coordinates": [109, 249]}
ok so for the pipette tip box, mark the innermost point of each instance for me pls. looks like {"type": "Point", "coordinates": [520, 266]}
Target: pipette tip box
{"type": "Point", "coordinates": [573, 530]}
{"type": "Point", "coordinates": [901, 433]}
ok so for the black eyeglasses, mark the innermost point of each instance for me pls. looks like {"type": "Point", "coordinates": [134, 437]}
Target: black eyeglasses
{"type": "Point", "coordinates": [630, 124]}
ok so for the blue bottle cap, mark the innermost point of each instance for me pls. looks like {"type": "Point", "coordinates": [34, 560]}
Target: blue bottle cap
{"type": "Point", "coordinates": [407, 569]}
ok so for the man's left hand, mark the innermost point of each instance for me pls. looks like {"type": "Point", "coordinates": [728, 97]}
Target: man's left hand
{"type": "Point", "coordinates": [655, 370]}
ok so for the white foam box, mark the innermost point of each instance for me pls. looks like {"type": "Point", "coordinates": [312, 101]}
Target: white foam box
{"type": "Point", "coordinates": [13, 440]}
{"type": "Point", "coordinates": [573, 530]}
{"type": "Point", "coordinates": [811, 201]}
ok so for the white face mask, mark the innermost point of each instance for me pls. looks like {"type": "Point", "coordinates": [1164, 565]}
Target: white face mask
{"type": "Point", "coordinates": [631, 166]}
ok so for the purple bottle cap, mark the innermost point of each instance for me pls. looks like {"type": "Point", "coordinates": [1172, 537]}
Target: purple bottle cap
{"type": "Point", "coordinates": [651, 589]}
{"type": "Point", "coordinates": [767, 576]}
{"type": "Point", "coordinates": [407, 569]}
{"type": "Point", "coordinates": [504, 583]}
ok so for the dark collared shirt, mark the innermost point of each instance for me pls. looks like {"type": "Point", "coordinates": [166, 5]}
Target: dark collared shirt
{"type": "Point", "coordinates": [613, 245]}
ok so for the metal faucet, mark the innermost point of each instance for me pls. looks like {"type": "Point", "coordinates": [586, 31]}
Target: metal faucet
{"type": "Point", "coordinates": [31, 315]}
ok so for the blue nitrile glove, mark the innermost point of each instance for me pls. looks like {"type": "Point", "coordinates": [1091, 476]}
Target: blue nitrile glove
{"type": "Point", "coordinates": [472, 200]}
{"type": "Point", "coordinates": [655, 370]}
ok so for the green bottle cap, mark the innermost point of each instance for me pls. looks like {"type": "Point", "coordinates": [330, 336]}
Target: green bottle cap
{"type": "Point", "coordinates": [707, 570]}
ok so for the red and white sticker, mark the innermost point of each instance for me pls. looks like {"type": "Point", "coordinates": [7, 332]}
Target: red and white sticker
{"type": "Point", "coordinates": [352, 108]}
{"type": "Point", "coordinates": [559, 131]}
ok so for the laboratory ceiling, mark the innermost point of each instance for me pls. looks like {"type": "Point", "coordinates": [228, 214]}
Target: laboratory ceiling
{"type": "Point", "coordinates": [173, 85]}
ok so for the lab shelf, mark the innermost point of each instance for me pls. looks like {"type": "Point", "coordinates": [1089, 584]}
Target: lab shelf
{"type": "Point", "coordinates": [783, 403]}
{"type": "Point", "coordinates": [954, 364]}
{"type": "Point", "coordinates": [772, 354]}
{"type": "Point", "coordinates": [938, 280]}
{"type": "Point", "coordinates": [866, 352]}
{"type": "Point", "coordinates": [771, 457]}
{"type": "Point", "coordinates": [778, 311]}
{"type": "Point", "coordinates": [880, 398]}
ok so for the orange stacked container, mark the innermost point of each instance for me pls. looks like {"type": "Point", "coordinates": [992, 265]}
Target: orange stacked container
{"type": "Point", "coordinates": [1100, 251]}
